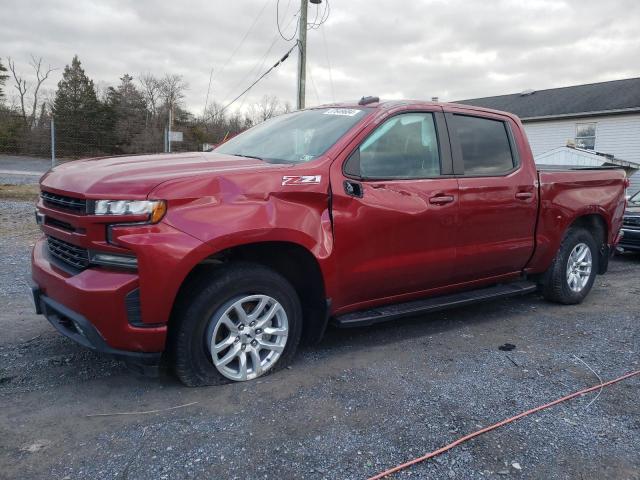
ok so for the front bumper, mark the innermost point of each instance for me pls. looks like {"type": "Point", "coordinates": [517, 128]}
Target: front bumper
{"type": "Point", "coordinates": [76, 327]}
{"type": "Point", "coordinates": [90, 308]}
{"type": "Point", "coordinates": [630, 239]}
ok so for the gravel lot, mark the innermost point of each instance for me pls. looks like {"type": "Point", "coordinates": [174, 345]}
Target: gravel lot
{"type": "Point", "coordinates": [360, 402]}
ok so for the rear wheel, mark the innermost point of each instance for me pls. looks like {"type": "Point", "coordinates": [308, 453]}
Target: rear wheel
{"type": "Point", "coordinates": [573, 271]}
{"type": "Point", "coordinates": [235, 324]}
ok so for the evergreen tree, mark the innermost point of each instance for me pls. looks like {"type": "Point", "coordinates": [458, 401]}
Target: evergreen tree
{"type": "Point", "coordinates": [3, 78]}
{"type": "Point", "coordinates": [127, 112]}
{"type": "Point", "coordinates": [78, 115]}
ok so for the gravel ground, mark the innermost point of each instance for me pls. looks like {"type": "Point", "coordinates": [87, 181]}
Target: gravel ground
{"type": "Point", "coordinates": [360, 402]}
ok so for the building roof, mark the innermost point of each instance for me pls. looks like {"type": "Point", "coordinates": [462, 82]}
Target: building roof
{"type": "Point", "coordinates": [582, 158]}
{"type": "Point", "coordinates": [617, 96]}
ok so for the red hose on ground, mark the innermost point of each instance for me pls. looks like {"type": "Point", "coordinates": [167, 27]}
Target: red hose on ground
{"type": "Point", "coordinates": [499, 424]}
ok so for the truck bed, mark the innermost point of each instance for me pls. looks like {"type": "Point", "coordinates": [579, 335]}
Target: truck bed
{"type": "Point", "coordinates": [568, 194]}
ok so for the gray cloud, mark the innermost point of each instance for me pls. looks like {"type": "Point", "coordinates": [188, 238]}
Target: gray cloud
{"type": "Point", "coordinates": [418, 49]}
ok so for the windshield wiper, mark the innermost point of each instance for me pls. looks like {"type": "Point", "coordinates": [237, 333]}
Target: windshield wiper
{"type": "Point", "coordinates": [248, 156]}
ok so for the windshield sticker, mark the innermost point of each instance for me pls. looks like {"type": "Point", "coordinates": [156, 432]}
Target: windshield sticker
{"type": "Point", "coordinates": [345, 112]}
{"type": "Point", "coordinates": [301, 179]}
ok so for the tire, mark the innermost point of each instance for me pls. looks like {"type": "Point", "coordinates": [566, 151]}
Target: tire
{"type": "Point", "coordinates": [558, 285]}
{"type": "Point", "coordinates": [200, 317]}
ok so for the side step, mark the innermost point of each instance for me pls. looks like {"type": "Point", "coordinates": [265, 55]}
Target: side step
{"type": "Point", "coordinates": [390, 312]}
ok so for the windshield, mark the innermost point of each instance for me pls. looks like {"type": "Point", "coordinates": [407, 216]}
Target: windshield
{"type": "Point", "coordinates": [294, 137]}
{"type": "Point", "coordinates": [635, 199]}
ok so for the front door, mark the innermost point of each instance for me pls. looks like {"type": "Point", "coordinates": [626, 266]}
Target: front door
{"type": "Point", "coordinates": [394, 204]}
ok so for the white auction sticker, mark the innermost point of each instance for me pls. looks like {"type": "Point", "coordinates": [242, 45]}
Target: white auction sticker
{"type": "Point", "coordinates": [346, 112]}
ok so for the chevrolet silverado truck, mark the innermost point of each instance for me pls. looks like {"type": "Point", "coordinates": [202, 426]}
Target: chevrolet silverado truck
{"type": "Point", "coordinates": [221, 263]}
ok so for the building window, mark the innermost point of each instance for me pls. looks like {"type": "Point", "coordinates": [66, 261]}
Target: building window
{"type": "Point", "coordinates": [586, 136]}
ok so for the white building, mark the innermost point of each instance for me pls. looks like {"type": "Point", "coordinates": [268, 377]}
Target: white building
{"type": "Point", "coordinates": [601, 117]}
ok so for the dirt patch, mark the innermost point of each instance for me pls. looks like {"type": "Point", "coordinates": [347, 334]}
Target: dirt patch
{"type": "Point", "coordinates": [19, 192]}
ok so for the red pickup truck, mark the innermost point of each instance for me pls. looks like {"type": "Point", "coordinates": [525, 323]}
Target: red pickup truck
{"type": "Point", "coordinates": [356, 213]}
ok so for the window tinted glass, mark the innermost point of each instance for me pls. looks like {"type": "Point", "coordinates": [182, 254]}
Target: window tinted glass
{"type": "Point", "coordinates": [405, 146]}
{"type": "Point", "coordinates": [485, 145]}
{"type": "Point", "coordinates": [294, 137]}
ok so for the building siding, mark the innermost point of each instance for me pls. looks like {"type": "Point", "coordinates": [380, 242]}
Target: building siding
{"type": "Point", "coordinates": [634, 186]}
{"type": "Point", "coordinates": [618, 135]}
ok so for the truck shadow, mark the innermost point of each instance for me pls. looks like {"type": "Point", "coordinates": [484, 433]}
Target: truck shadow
{"type": "Point", "coordinates": [428, 324]}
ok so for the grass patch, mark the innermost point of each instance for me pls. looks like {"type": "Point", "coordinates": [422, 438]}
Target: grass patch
{"type": "Point", "coordinates": [19, 192]}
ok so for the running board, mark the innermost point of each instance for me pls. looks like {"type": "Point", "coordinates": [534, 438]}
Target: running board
{"type": "Point", "coordinates": [391, 312]}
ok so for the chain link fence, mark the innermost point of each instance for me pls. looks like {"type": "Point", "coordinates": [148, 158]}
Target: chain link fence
{"type": "Point", "coordinates": [63, 138]}
{"type": "Point", "coordinates": [18, 137]}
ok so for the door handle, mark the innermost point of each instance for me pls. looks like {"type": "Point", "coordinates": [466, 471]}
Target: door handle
{"type": "Point", "coordinates": [441, 199]}
{"type": "Point", "coordinates": [524, 195]}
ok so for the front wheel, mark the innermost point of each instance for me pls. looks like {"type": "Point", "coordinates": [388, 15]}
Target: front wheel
{"type": "Point", "coordinates": [573, 271]}
{"type": "Point", "coordinates": [238, 323]}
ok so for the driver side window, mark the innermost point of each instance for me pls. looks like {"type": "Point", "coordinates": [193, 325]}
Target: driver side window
{"type": "Point", "coordinates": [403, 147]}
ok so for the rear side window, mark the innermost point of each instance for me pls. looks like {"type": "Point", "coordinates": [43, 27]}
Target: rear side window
{"type": "Point", "coordinates": [485, 145]}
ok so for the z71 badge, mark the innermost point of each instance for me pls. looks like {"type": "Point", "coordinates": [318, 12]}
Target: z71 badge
{"type": "Point", "coordinates": [301, 179]}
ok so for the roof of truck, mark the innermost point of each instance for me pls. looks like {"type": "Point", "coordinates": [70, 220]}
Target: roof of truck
{"type": "Point", "coordinates": [390, 104]}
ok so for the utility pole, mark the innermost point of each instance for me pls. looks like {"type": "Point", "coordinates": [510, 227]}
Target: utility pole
{"type": "Point", "coordinates": [169, 131]}
{"type": "Point", "coordinates": [53, 142]}
{"type": "Point", "coordinates": [302, 53]}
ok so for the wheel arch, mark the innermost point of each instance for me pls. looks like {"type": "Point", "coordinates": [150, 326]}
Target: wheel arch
{"type": "Point", "coordinates": [596, 224]}
{"type": "Point", "coordinates": [293, 261]}
{"type": "Point", "coordinates": [552, 228]}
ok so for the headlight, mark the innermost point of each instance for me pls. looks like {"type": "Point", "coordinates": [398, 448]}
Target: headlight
{"type": "Point", "coordinates": [155, 209]}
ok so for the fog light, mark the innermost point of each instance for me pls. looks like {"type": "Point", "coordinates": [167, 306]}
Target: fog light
{"type": "Point", "coordinates": [113, 259]}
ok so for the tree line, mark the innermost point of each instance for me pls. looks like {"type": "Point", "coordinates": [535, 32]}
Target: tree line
{"type": "Point", "coordinates": [130, 117]}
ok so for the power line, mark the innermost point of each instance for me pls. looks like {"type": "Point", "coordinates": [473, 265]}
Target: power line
{"type": "Point", "coordinates": [326, 53]}
{"type": "Point", "coordinates": [206, 100]}
{"type": "Point", "coordinates": [284, 57]}
{"type": "Point", "coordinates": [244, 37]}
{"type": "Point", "coordinates": [325, 16]}
{"type": "Point", "coordinates": [287, 39]}
{"type": "Point", "coordinates": [313, 83]}
{"type": "Point", "coordinates": [235, 50]}
{"type": "Point", "coordinates": [258, 66]}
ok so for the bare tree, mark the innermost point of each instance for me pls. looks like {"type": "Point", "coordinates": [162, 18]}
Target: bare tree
{"type": "Point", "coordinates": [269, 106]}
{"type": "Point", "coordinates": [20, 85]}
{"type": "Point", "coordinates": [172, 88]}
{"type": "Point", "coordinates": [23, 88]}
{"type": "Point", "coordinates": [151, 92]}
{"type": "Point", "coordinates": [214, 115]}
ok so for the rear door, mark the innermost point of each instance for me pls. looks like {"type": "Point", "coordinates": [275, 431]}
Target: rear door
{"type": "Point", "coordinates": [498, 195]}
{"type": "Point", "coordinates": [395, 203]}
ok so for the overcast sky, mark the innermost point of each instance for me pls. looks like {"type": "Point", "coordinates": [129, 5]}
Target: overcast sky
{"type": "Point", "coordinates": [393, 49]}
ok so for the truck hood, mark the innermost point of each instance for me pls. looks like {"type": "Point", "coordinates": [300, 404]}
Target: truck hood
{"type": "Point", "coordinates": [136, 176]}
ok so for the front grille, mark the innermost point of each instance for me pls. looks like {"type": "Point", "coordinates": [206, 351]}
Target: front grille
{"type": "Point", "coordinates": [631, 222]}
{"type": "Point", "coordinates": [77, 257]}
{"type": "Point", "coordinates": [54, 200]}
{"type": "Point", "coordinates": [54, 222]}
